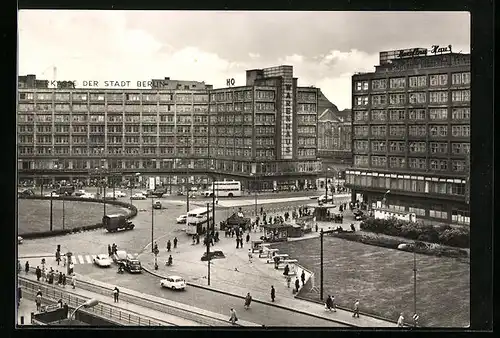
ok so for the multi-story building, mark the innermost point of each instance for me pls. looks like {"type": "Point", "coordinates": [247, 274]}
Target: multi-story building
{"type": "Point", "coordinates": [266, 129]}
{"type": "Point", "coordinates": [411, 134]}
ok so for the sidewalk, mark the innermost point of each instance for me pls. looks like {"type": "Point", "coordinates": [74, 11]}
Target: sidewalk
{"type": "Point", "coordinates": [235, 275]}
{"type": "Point", "coordinates": [139, 310]}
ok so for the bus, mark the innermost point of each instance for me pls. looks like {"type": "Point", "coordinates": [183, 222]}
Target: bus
{"type": "Point", "coordinates": [196, 222]}
{"type": "Point", "coordinates": [224, 189]}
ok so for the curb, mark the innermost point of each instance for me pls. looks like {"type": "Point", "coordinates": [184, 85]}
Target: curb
{"type": "Point", "coordinates": [36, 256]}
{"type": "Point", "coordinates": [255, 300]}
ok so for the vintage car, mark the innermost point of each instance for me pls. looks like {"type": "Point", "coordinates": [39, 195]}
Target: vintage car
{"type": "Point", "coordinates": [173, 282]}
{"type": "Point", "coordinates": [156, 205]}
{"type": "Point", "coordinates": [213, 255]}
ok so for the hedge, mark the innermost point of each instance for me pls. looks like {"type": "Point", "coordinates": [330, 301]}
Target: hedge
{"type": "Point", "coordinates": [442, 234]}
{"type": "Point", "coordinates": [59, 232]}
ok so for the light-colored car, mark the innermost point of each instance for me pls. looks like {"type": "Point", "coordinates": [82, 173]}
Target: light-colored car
{"type": "Point", "coordinates": [102, 261]}
{"type": "Point", "coordinates": [324, 199]}
{"type": "Point", "coordinates": [19, 240]}
{"type": "Point", "coordinates": [138, 196]}
{"type": "Point", "coordinates": [87, 195]}
{"type": "Point", "coordinates": [53, 195]}
{"type": "Point", "coordinates": [173, 282]}
{"type": "Point", "coordinates": [80, 192]}
{"type": "Point", "coordinates": [119, 194]}
{"type": "Point", "coordinates": [181, 219]}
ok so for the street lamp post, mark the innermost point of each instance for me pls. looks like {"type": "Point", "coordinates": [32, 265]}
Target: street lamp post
{"type": "Point", "coordinates": [63, 215]}
{"type": "Point", "coordinates": [321, 261]}
{"type": "Point", "coordinates": [207, 239]}
{"type": "Point", "coordinates": [51, 210]}
{"type": "Point", "coordinates": [152, 224]}
{"type": "Point", "coordinates": [188, 188]}
{"type": "Point", "coordinates": [384, 199]}
{"type": "Point", "coordinates": [415, 316]}
{"type": "Point", "coordinates": [213, 200]}
{"type": "Point", "coordinates": [88, 304]}
{"type": "Point", "coordinates": [103, 183]}
{"type": "Point", "coordinates": [326, 185]}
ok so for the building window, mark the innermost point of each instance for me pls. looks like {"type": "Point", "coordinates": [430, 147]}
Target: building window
{"type": "Point", "coordinates": [417, 147]}
{"type": "Point", "coordinates": [379, 146]}
{"type": "Point", "coordinates": [397, 162]}
{"type": "Point", "coordinates": [418, 81]}
{"type": "Point", "coordinates": [458, 165]}
{"type": "Point", "coordinates": [361, 161]}
{"type": "Point", "coordinates": [360, 116]}
{"type": "Point", "coordinates": [379, 84]}
{"type": "Point", "coordinates": [378, 130]}
{"type": "Point", "coordinates": [460, 131]}
{"type": "Point", "coordinates": [417, 98]}
{"type": "Point", "coordinates": [460, 113]}
{"type": "Point", "coordinates": [379, 115]}
{"type": "Point", "coordinates": [361, 145]}
{"type": "Point", "coordinates": [438, 97]}
{"type": "Point", "coordinates": [397, 130]}
{"type": "Point", "coordinates": [361, 86]}
{"type": "Point", "coordinates": [397, 146]}
{"type": "Point", "coordinates": [417, 163]}
{"type": "Point", "coordinates": [361, 101]}
{"type": "Point", "coordinates": [417, 130]}
{"type": "Point", "coordinates": [397, 99]}
{"type": "Point", "coordinates": [438, 165]}
{"type": "Point", "coordinates": [416, 114]}
{"type": "Point", "coordinates": [460, 216]}
{"type": "Point", "coordinates": [397, 114]}
{"type": "Point", "coordinates": [379, 161]}
{"type": "Point", "coordinates": [361, 130]}
{"type": "Point", "coordinates": [397, 82]}
{"type": "Point", "coordinates": [460, 95]}
{"type": "Point", "coordinates": [438, 80]}
{"type": "Point", "coordinates": [438, 113]}
{"type": "Point", "coordinates": [460, 78]}
{"type": "Point", "coordinates": [417, 211]}
{"type": "Point", "coordinates": [438, 130]}
{"type": "Point", "coordinates": [438, 214]}
{"type": "Point", "coordinates": [379, 100]}
{"type": "Point", "coordinates": [460, 148]}
{"type": "Point", "coordinates": [439, 147]}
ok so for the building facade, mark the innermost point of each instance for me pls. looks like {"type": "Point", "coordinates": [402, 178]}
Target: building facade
{"type": "Point", "coordinates": [176, 129]}
{"type": "Point", "coordinates": [411, 134]}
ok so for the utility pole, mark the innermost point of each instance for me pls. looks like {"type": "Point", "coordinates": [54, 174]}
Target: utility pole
{"type": "Point", "coordinates": [63, 215]}
{"type": "Point", "coordinates": [51, 211]}
{"type": "Point", "coordinates": [152, 224]}
{"type": "Point", "coordinates": [207, 239]}
{"type": "Point", "coordinates": [415, 316]}
{"type": "Point", "coordinates": [321, 260]}
{"type": "Point", "coordinates": [187, 190]}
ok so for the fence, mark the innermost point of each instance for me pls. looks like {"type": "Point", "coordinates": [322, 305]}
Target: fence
{"type": "Point", "coordinates": [121, 317]}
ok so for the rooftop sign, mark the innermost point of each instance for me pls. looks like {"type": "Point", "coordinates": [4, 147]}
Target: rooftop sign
{"type": "Point", "coordinates": [386, 57]}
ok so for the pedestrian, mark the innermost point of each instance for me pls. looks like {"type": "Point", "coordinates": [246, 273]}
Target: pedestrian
{"type": "Point", "coordinates": [237, 243]}
{"type": "Point", "coordinates": [116, 293]}
{"type": "Point", "coordinates": [73, 280]}
{"type": "Point", "coordinates": [38, 300]}
{"type": "Point", "coordinates": [27, 267]}
{"type": "Point", "coordinates": [401, 320]}
{"type": "Point", "coordinates": [248, 238]}
{"type": "Point", "coordinates": [169, 245]}
{"type": "Point", "coordinates": [250, 255]}
{"type": "Point", "coordinates": [248, 301]}
{"type": "Point", "coordinates": [356, 309]}
{"type": "Point", "coordinates": [194, 240]}
{"type": "Point", "coordinates": [273, 293]}
{"type": "Point", "coordinates": [334, 307]}
{"type": "Point", "coordinates": [64, 280]}
{"type": "Point", "coordinates": [241, 241]}
{"type": "Point", "coordinates": [38, 273]}
{"type": "Point", "coordinates": [64, 261]}
{"type": "Point", "coordinates": [110, 252]}
{"type": "Point", "coordinates": [288, 281]}
{"type": "Point", "coordinates": [286, 270]}
{"type": "Point", "coordinates": [303, 277]}
{"type": "Point", "coordinates": [60, 279]}
{"type": "Point", "coordinates": [297, 284]}
{"type": "Point", "coordinates": [44, 274]}
{"type": "Point", "coordinates": [328, 303]}
{"type": "Point", "coordinates": [197, 239]}
{"type": "Point", "coordinates": [175, 242]}
{"type": "Point", "coordinates": [58, 257]}
{"type": "Point", "coordinates": [233, 318]}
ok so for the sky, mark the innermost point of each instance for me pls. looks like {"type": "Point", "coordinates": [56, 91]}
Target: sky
{"type": "Point", "coordinates": [325, 48]}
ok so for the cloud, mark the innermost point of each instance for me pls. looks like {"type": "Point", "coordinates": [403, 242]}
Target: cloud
{"type": "Point", "coordinates": [254, 55]}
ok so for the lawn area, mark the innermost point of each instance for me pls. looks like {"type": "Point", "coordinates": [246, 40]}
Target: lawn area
{"type": "Point", "coordinates": [382, 279]}
{"type": "Point", "coordinates": [34, 215]}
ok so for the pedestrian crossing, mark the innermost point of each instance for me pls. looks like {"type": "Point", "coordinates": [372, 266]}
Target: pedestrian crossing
{"type": "Point", "coordinates": [78, 259]}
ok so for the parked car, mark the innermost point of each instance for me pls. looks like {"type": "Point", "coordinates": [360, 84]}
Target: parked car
{"type": "Point", "coordinates": [120, 194]}
{"type": "Point", "coordinates": [213, 255]}
{"type": "Point", "coordinates": [53, 195]}
{"type": "Point", "coordinates": [174, 283]}
{"type": "Point", "coordinates": [119, 257]}
{"type": "Point", "coordinates": [80, 193]}
{"type": "Point", "coordinates": [87, 195]}
{"type": "Point", "coordinates": [19, 240]}
{"type": "Point", "coordinates": [138, 196]}
{"type": "Point", "coordinates": [180, 193]}
{"type": "Point", "coordinates": [157, 205]}
{"type": "Point", "coordinates": [181, 219]}
{"type": "Point", "coordinates": [324, 199]}
{"type": "Point", "coordinates": [102, 261]}
{"type": "Point", "coordinates": [132, 264]}
{"type": "Point", "coordinates": [26, 192]}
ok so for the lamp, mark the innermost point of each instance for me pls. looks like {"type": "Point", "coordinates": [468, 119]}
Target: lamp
{"type": "Point", "coordinates": [88, 304]}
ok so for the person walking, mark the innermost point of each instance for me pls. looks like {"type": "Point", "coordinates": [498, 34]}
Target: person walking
{"type": "Point", "coordinates": [73, 281]}
{"type": "Point", "coordinates": [273, 293]}
{"type": "Point", "coordinates": [303, 277]}
{"type": "Point", "coordinates": [110, 252]}
{"type": "Point", "coordinates": [237, 243]}
{"type": "Point", "coordinates": [169, 245]}
{"type": "Point", "coordinates": [356, 309]}
{"type": "Point", "coordinates": [288, 281]}
{"type": "Point", "coordinates": [27, 267]}
{"type": "Point", "coordinates": [248, 238]}
{"type": "Point", "coordinates": [248, 301]}
{"type": "Point", "coordinates": [60, 279]}
{"type": "Point", "coordinates": [297, 284]}
{"type": "Point", "coordinates": [64, 261]}
{"type": "Point", "coordinates": [38, 273]}
{"type": "Point", "coordinates": [175, 242]}
{"type": "Point", "coordinates": [328, 303]}
{"type": "Point", "coordinates": [401, 320]}
{"type": "Point", "coordinates": [116, 294]}
{"type": "Point", "coordinates": [250, 255]}
{"type": "Point", "coordinates": [64, 280]}
{"type": "Point", "coordinates": [286, 270]}
{"type": "Point", "coordinates": [241, 240]}
{"type": "Point", "coordinates": [232, 316]}
{"type": "Point", "coordinates": [38, 300]}
{"type": "Point", "coordinates": [44, 274]}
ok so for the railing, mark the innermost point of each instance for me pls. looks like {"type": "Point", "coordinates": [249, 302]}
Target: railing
{"type": "Point", "coordinates": [169, 308]}
{"type": "Point", "coordinates": [119, 316]}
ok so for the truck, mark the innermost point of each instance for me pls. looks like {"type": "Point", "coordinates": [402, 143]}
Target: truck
{"type": "Point", "coordinates": [116, 222]}
{"type": "Point", "coordinates": [66, 190]}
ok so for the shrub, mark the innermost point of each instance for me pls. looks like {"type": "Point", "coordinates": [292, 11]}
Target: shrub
{"type": "Point", "coordinates": [455, 237]}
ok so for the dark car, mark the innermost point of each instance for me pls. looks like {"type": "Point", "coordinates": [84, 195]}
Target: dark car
{"type": "Point", "coordinates": [132, 264]}
{"type": "Point", "coordinates": [213, 255]}
{"type": "Point", "coordinates": [26, 192]}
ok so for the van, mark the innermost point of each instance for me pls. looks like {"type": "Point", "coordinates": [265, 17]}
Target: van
{"type": "Point", "coordinates": [116, 222]}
